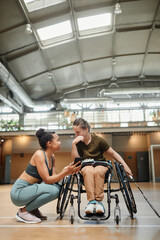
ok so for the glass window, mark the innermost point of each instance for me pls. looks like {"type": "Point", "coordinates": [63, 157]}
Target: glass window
{"type": "Point", "coordinates": [89, 116]}
{"type": "Point", "coordinates": [6, 110]}
{"type": "Point", "coordinates": [125, 116]}
{"type": "Point", "coordinates": [54, 31]}
{"type": "Point", "coordinates": [94, 24]}
{"type": "Point", "coordinates": [9, 122]}
{"type": "Point", "coordinates": [113, 116]}
{"type": "Point", "coordinates": [124, 125]}
{"type": "Point", "coordinates": [137, 115]}
{"type": "Point", "coordinates": [33, 5]}
{"type": "Point", "coordinates": [150, 114]}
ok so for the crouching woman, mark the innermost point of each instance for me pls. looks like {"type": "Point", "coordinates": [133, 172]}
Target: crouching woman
{"type": "Point", "coordinates": [38, 184]}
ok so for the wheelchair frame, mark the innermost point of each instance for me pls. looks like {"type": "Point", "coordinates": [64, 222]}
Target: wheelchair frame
{"type": "Point", "coordinates": [66, 195]}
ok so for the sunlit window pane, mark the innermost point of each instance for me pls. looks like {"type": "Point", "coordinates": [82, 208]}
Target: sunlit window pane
{"type": "Point", "coordinates": [89, 116]}
{"type": "Point", "coordinates": [93, 24]}
{"type": "Point", "coordinates": [137, 115]}
{"type": "Point", "coordinates": [125, 116]}
{"type": "Point", "coordinates": [33, 5]}
{"type": "Point", "coordinates": [6, 110]}
{"type": "Point", "coordinates": [94, 21]}
{"type": "Point", "coordinates": [113, 116]}
{"type": "Point", "coordinates": [29, 1]}
{"type": "Point", "coordinates": [124, 125]}
{"type": "Point", "coordinates": [54, 31]}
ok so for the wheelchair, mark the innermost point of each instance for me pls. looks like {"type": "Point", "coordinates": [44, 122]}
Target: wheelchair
{"type": "Point", "coordinates": [69, 193]}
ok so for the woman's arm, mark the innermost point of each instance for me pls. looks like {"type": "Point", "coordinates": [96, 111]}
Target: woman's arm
{"type": "Point", "coordinates": [43, 171]}
{"type": "Point", "coordinates": [119, 159]}
{"type": "Point", "coordinates": [74, 152]}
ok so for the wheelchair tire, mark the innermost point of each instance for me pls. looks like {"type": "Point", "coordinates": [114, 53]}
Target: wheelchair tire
{"type": "Point", "coordinates": [134, 208]}
{"type": "Point", "coordinates": [125, 189]}
{"type": "Point", "coordinates": [60, 197]}
{"type": "Point", "coordinates": [67, 189]}
{"type": "Point", "coordinates": [117, 219]}
{"type": "Point", "coordinates": [126, 181]}
{"type": "Point", "coordinates": [72, 219]}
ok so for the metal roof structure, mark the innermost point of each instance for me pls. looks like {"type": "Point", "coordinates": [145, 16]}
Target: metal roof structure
{"type": "Point", "coordinates": [117, 63]}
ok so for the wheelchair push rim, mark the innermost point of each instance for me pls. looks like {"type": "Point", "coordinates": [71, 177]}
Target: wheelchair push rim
{"type": "Point", "coordinates": [126, 189]}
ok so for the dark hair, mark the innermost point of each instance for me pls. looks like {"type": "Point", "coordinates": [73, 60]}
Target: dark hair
{"type": "Point", "coordinates": [81, 123]}
{"type": "Point", "coordinates": [44, 137]}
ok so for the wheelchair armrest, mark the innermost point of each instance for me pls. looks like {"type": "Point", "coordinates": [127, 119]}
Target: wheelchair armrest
{"type": "Point", "coordinates": [108, 164]}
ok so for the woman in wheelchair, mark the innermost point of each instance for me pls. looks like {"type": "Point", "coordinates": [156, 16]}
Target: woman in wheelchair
{"type": "Point", "coordinates": [91, 146]}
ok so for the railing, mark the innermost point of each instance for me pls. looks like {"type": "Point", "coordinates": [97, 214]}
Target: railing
{"type": "Point", "coordinates": [96, 125]}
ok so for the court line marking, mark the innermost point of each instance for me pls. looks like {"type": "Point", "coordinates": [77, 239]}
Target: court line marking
{"type": "Point", "coordinates": [79, 226]}
{"type": "Point", "coordinates": [137, 217]}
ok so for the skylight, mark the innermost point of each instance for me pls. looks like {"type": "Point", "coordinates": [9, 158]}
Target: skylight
{"type": "Point", "coordinates": [59, 30]}
{"type": "Point", "coordinates": [28, 1]}
{"type": "Point", "coordinates": [93, 24]}
{"type": "Point", "coordinates": [33, 5]}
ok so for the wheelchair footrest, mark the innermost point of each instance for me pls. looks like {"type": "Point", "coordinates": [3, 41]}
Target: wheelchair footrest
{"type": "Point", "coordinates": [95, 217]}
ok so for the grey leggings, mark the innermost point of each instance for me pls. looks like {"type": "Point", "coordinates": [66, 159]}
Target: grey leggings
{"type": "Point", "coordinates": [33, 196]}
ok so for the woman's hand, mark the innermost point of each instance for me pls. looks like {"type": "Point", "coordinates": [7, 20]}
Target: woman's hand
{"type": "Point", "coordinates": [72, 168]}
{"type": "Point", "coordinates": [78, 139]}
{"type": "Point", "coordinates": [128, 170]}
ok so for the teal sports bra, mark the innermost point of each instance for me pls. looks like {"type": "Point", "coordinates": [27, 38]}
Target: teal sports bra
{"type": "Point", "coordinates": [32, 170]}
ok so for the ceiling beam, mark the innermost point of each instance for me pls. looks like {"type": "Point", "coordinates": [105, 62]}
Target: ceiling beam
{"type": "Point", "coordinates": [46, 62]}
{"type": "Point", "coordinates": [148, 40]}
{"type": "Point", "coordinates": [104, 83]}
{"type": "Point", "coordinates": [95, 59]}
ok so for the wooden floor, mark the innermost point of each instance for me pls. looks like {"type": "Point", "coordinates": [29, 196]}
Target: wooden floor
{"type": "Point", "coordinates": [145, 225]}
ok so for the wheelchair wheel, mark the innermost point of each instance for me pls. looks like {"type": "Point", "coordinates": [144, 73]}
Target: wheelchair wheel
{"type": "Point", "coordinates": [117, 219]}
{"type": "Point", "coordinates": [59, 201]}
{"type": "Point", "coordinates": [134, 208]}
{"type": "Point", "coordinates": [72, 220]}
{"type": "Point", "coordinates": [66, 194]}
{"type": "Point", "coordinates": [126, 189]}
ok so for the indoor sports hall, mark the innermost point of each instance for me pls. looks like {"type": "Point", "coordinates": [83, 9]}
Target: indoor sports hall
{"type": "Point", "coordinates": [64, 63]}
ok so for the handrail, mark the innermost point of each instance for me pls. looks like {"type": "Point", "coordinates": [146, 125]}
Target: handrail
{"type": "Point", "coordinates": [68, 126]}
